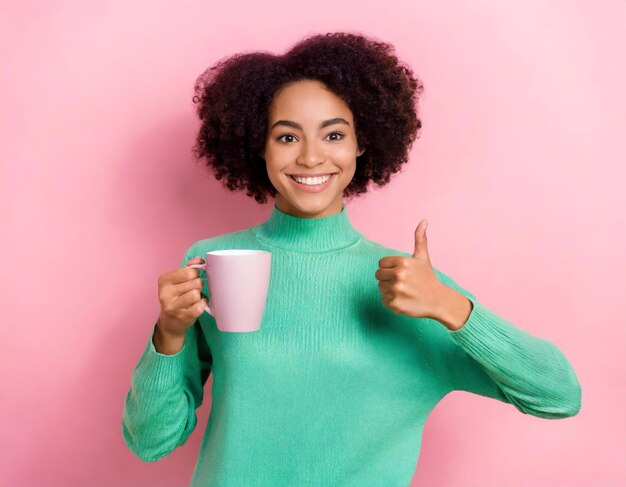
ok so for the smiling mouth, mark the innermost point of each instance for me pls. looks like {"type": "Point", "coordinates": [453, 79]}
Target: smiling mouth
{"type": "Point", "coordinates": [321, 175]}
{"type": "Point", "coordinates": [322, 179]}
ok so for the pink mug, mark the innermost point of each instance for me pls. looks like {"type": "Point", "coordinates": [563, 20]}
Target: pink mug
{"type": "Point", "coordinates": [238, 281]}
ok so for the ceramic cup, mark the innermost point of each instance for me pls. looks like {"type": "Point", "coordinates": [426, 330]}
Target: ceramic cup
{"type": "Point", "coordinates": [238, 281]}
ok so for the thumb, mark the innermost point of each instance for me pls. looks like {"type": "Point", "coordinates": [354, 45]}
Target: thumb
{"type": "Point", "coordinates": [421, 244]}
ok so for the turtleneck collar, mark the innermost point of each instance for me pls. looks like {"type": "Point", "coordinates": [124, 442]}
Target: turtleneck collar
{"type": "Point", "coordinates": [312, 235]}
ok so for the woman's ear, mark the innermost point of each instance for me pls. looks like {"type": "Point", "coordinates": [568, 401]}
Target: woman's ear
{"type": "Point", "coordinates": [360, 153]}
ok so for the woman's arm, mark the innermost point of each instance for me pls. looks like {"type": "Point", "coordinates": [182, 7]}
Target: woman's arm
{"type": "Point", "coordinates": [490, 356]}
{"type": "Point", "coordinates": [160, 407]}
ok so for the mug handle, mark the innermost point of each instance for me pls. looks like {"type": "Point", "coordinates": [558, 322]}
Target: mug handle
{"type": "Point", "coordinates": [207, 308]}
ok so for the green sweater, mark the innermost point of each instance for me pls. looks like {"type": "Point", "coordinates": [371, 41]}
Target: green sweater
{"type": "Point", "coordinates": [335, 388]}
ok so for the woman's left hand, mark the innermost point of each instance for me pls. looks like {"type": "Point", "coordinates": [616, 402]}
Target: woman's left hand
{"type": "Point", "coordinates": [409, 285]}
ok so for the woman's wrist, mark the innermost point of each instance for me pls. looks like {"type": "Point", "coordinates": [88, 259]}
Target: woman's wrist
{"type": "Point", "coordinates": [165, 342]}
{"type": "Point", "coordinates": [454, 309]}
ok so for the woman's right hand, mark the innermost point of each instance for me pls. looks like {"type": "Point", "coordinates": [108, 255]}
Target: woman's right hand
{"type": "Point", "coordinates": [180, 295]}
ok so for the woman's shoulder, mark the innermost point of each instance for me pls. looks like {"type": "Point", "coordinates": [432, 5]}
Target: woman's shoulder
{"type": "Point", "coordinates": [382, 250]}
{"type": "Point", "coordinates": [233, 240]}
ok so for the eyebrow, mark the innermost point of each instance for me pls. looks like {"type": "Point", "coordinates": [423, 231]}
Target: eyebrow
{"type": "Point", "coordinates": [325, 123]}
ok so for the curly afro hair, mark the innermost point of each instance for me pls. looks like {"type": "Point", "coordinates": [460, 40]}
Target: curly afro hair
{"type": "Point", "coordinates": [234, 95]}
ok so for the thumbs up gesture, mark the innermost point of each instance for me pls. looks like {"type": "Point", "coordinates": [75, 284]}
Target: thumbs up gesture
{"type": "Point", "coordinates": [409, 286]}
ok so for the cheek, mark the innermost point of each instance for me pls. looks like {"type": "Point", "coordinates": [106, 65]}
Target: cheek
{"type": "Point", "coordinates": [346, 153]}
{"type": "Point", "coordinates": [274, 173]}
{"type": "Point", "coordinates": [277, 156]}
{"type": "Point", "coordinates": [347, 159]}
{"type": "Point", "coordinates": [350, 173]}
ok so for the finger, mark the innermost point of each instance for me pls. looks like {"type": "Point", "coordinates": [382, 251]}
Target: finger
{"type": "Point", "coordinates": [390, 261]}
{"type": "Point", "coordinates": [183, 275]}
{"type": "Point", "coordinates": [187, 273]}
{"type": "Point", "coordinates": [385, 274]}
{"type": "Point", "coordinates": [386, 297]}
{"type": "Point", "coordinates": [421, 244]}
{"type": "Point", "coordinates": [384, 287]}
{"type": "Point", "coordinates": [183, 287]}
{"type": "Point", "coordinates": [198, 307]}
{"type": "Point", "coordinates": [190, 298]}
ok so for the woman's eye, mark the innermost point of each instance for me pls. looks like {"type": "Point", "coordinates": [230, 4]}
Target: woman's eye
{"type": "Point", "coordinates": [336, 133]}
{"type": "Point", "coordinates": [280, 138]}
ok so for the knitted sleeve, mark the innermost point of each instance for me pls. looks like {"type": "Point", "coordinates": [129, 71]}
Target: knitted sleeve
{"type": "Point", "coordinates": [160, 407]}
{"type": "Point", "coordinates": [491, 357]}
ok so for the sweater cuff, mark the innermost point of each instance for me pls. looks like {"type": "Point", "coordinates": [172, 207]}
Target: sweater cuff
{"type": "Point", "coordinates": [157, 371]}
{"type": "Point", "coordinates": [482, 331]}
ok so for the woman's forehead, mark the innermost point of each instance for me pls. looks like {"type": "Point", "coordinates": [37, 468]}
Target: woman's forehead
{"type": "Point", "coordinates": [308, 103]}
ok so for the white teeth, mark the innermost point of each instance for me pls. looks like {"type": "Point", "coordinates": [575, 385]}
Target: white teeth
{"type": "Point", "coordinates": [311, 181]}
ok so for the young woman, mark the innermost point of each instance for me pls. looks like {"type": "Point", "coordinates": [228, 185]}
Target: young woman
{"type": "Point", "coordinates": [358, 342]}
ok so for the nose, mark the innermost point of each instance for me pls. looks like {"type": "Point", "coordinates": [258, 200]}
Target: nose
{"type": "Point", "coordinates": [311, 155]}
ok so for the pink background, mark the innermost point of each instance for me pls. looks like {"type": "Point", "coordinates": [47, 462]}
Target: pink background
{"type": "Point", "coordinates": [519, 171]}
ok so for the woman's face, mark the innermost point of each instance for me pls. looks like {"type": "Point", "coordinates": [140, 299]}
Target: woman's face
{"type": "Point", "coordinates": [310, 133]}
